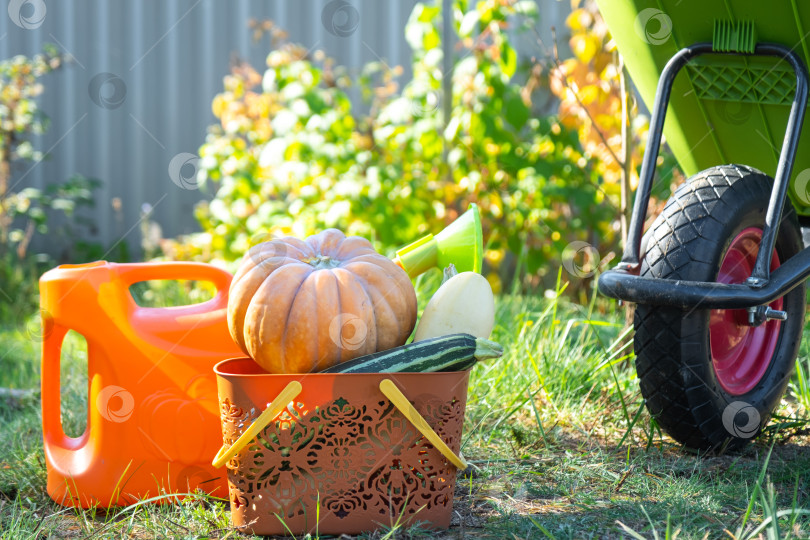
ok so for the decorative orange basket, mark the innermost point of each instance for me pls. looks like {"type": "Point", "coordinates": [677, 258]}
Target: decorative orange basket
{"type": "Point", "coordinates": [339, 453]}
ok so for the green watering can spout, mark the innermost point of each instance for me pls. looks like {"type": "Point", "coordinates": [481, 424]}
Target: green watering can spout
{"type": "Point", "coordinates": [460, 244]}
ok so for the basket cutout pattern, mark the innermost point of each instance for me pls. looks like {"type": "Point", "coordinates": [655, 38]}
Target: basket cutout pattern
{"type": "Point", "coordinates": [363, 460]}
{"type": "Point", "coordinates": [734, 81]}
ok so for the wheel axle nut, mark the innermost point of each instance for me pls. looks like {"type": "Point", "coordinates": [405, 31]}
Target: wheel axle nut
{"type": "Point", "coordinates": [776, 314]}
{"type": "Point", "coordinates": [760, 314]}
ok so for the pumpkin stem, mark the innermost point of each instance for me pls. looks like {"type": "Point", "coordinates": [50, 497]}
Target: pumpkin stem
{"type": "Point", "coordinates": [322, 262]}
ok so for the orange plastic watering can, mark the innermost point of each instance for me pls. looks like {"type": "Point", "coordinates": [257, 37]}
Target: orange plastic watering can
{"type": "Point", "coordinates": [153, 418]}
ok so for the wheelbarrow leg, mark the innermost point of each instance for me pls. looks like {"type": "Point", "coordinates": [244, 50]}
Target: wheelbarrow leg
{"type": "Point", "coordinates": [761, 272]}
{"type": "Point", "coordinates": [631, 258]}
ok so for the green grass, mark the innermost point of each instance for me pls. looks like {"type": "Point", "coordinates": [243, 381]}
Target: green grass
{"type": "Point", "coordinates": [560, 444]}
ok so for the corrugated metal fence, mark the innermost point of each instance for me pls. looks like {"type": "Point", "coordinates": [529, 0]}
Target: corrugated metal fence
{"type": "Point", "coordinates": [139, 91]}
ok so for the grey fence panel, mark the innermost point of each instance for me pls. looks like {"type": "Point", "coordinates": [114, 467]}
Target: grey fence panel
{"type": "Point", "coordinates": [145, 72]}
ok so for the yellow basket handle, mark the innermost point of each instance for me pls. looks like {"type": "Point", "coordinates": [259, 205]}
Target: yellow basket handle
{"type": "Point", "coordinates": [226, 453]}
{"type": "Point", "coordinates": [401, 402]}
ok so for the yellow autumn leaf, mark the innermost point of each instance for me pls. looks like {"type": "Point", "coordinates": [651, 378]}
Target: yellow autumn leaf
{"type": "Point", "coordinates": [494, 282]}
{"type": "Point", "coordinates": [576, 20]}
{"type": "Point", "coordinates": [495, 256]}
{"type": "Point", "coordinates": [218, 105]}
{"type": "Point", "coordinates": [584, 46]}
{"type": "Point", "coordinates": [588, 94]}
{"type": "Point", "coordinates": [545, 147]}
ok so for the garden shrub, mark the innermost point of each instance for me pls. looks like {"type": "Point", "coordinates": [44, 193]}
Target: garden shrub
{"type": "Point", "coordinates": [290, 155]}
{"type": "Point", "coordinates": [24, 210]}
{"type": "Point", "coordinates": [588, 86]}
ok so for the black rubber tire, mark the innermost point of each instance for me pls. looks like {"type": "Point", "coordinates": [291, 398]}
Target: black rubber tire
{"type": "Point", "coordinates": [673, 354]}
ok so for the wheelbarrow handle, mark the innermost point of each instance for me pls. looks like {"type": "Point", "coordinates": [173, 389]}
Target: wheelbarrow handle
{"type": "Point", "coordinates": [631, 258]}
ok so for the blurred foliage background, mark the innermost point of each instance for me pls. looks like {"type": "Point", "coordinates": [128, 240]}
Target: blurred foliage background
{"type": "Point", "coordinates": [27, 211]}
{"type": "Point", "coordinates": [292, 155]}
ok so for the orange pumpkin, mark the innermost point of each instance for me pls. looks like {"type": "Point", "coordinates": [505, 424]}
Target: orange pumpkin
{"type": "Point", "coordinates": [301, 306]}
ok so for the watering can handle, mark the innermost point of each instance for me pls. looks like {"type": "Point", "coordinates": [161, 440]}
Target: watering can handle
{"type": "Point", "coordinates": [401, 402]}
{"type": "Point", "coordinates": [50, 389]}
{"type": "Point", "coordinates": [131, 273]}
{"type": "Point", "coordinates": [226, 453]}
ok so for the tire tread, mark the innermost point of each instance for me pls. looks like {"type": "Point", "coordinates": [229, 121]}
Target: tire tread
{"type": "Point", "coordinates": [683, 243]}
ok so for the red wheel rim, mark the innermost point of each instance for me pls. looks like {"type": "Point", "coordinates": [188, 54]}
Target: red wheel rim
{"type": "Point", "coordinates": [741, 353]}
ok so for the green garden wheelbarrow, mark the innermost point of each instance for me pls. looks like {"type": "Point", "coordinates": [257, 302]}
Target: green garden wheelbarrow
{"type": "Point", "coordinates": [718, 278]}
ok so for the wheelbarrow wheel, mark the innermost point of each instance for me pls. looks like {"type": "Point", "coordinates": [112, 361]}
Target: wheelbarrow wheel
{"type": "Point", "coordinates": [710, 380]}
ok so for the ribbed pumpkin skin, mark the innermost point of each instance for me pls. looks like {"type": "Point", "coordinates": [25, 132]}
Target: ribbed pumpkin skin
{"type": "Point", "coordinates": [303, 306]}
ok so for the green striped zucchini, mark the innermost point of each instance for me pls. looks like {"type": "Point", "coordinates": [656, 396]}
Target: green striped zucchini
{"type": "Point", "coordinates": [454, 352]}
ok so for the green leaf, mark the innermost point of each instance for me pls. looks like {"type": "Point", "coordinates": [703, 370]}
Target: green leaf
{"type": "Point", "coordinates": [517, 113]}
{"type": "Point", "coordinates": [431, 40]}
{"type": "Point", "coordinates": [508, 59]}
